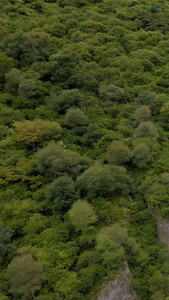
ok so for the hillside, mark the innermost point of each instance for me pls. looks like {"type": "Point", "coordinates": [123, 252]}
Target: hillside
{"type": "Point", "coordinates": [84, 149]}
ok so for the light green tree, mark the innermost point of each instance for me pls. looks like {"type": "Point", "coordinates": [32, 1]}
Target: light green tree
{"type": "Point", "coordinates": [37, 132]}
{"type": "Point", "coordinates": [141, 114]}
{"type": "Point", "coordinates": [82, 214]}
{"type": "Point", "coordinates": [146, 98]}
{"type": "Point", "coordinates": [142, 155]}
{"type": "Point", "coordinates": [25, 277]}
{"type": "Point", "coordinates": [145, 130]}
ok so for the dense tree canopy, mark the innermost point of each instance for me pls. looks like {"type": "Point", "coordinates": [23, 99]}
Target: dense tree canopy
{"type": "Point", "coordinates": [84, 114]}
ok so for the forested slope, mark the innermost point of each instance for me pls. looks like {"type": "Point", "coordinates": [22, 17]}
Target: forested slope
{"type": "Point", "coordinates": [84, 150]}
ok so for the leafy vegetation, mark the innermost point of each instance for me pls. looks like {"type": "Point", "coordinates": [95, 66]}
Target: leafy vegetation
{"type": "Point", "coordinates": [84, 167]}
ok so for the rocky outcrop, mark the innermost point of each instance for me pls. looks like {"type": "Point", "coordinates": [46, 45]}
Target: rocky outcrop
{"type": "Point", "coordinates": [162, 228]}
{"type": "Point", "coordinates": [163, 231]}
{"type": "Point", "coordinates": [119, 289]}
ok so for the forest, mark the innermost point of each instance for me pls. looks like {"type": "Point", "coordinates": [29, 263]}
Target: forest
{"type": "Point", "coordinates": [84, 149]}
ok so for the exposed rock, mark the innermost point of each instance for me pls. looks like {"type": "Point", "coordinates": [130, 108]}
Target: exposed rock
{"type": "Point", "coordinates": [119, 289]}
{"type": "Point", "coordinates": [163, 231]}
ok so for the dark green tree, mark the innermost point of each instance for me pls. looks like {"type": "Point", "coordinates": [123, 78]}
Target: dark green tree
{"type": "Point", "coordinates": [36, 224]}
{"type": "Point", "coordinates": [54, 161]}
{"type": "Point", "coordinates": [68, 98]}
{"type": "Point", "coordinates": [93, 134]}
{"type": "Point", "coordinates": [118, 153]}
{"type": "Point", "coordinates": [12, 81]}
{"type": "Point", "coordinates": [110, 244]}
{"type": "Point", "coordinates": [5, 241]}
{"type": "Point", "coordinates": [76, 120]}
{"type": "Point", "coordinates": [64, 68]}
{"type": "Point", "coordinates": [62, 193]}
{"type": "Point", "coordinates": [103, 181]}
{"type": "Point", "coordinates": [28, 48]}
{"type": "Point", "coordinates": [6, 63]}
{"type": "Point", "coordinates": [111, 93]}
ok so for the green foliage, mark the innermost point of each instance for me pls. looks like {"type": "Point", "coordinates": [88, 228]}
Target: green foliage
{"type": "Point", "coordinates": [159, 285]}
{"type": "Point", "coordinates": [29, 88]}
{"type": "Point", "coordinates": [36, 224]}
{"type": "Point", "coordinates": [156, 192]}
{"type": "Point", "coordinates": [111, 94]}
{"type": "Point", "coordinates": [65, 100]}
{"type": "Point", "coordinates": [25, 276]}
{"type": "Point", "coordinates": [103, 181]}
{"type": "Point", "coordinates": [12, 80]}
{"type": "Point", "coordinates": [164, 114]}
{"type": "Point", "coordinates": [95, 75]}
{"type": "Point", "coordinates": [37, 131]}
{"type": "Point", "coordinates": [8, 115]}
{"type": "Point", "coordinates": [142, 156]}
{"type": "Point", "coordinates": [154, 9]}
{"type": "Point", "coordinates": [145, 130]}
{"type": "Point", "coordinates": [113, 243]}
{"type": "Point", "coordinates": [5, 239]}
{"type": "Point", "coordinates": [61, 192]}
{"type": "Point", "coordinates": [27, 48]}
{"type": "Point", "coordinates": [64, 67]}
{"type": "Point", "coordinates": [142, 114]}
{"type": "Point", "coordinates": [76, 120]}
{"type": "Point", "coordinates": [146, 98]}
{"type": "Point", "coordinates": [118, 153]}
{"type": "Point", "coordinates": [82, 215]}
{"type": "Point", "coordinates": [93, 134]}
{"type": "Point", "coordinates": [6, 63]}
{"type": "Point", "coordinates": [54, 161]}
